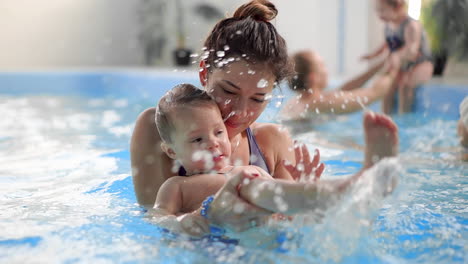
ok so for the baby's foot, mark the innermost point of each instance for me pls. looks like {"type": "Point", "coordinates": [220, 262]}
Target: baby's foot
{"type": "Point", "coordinates": [381, 138]}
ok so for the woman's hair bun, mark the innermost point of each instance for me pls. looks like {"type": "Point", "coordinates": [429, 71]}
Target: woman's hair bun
{"type": "Point", "coordinates": [262, 10]}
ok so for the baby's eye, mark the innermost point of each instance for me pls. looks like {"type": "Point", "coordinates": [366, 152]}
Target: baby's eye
{"type": "Point", "coordinates": [219, 132]}
{"type": "Point", "coordinates": [197, 140]}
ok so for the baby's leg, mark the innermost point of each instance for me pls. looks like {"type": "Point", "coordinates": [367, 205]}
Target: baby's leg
{"type": "Point", "coordinates": [420, 74]}
{"type": "Point", "coordinates": [381, 137]}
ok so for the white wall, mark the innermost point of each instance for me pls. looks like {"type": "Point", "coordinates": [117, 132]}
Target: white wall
{"type": "Point", "coordinates": [93, 33]}
{"type": "Point", "coordinates": [68, 33]}
{"type": "Point", "coordinates": [315, 24]}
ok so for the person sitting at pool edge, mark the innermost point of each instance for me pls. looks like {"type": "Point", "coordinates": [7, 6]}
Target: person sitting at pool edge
{"type": "Point", "coordinates": [193, 133]}
{"type": "Point", "coordinates": [313, 102]}
{"type": "Point", "coordinates": [243, 38]}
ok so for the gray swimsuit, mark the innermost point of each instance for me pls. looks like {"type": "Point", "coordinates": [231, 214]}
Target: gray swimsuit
{"type": "Point", "coordinates": [396, 39]}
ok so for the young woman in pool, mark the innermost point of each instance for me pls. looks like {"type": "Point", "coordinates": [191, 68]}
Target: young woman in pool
{"type": "Point", "coordinates": [245, 57]}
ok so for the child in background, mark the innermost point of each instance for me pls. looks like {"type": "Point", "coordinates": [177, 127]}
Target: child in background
{"type": "Point", "coordinates": [193, 133]}
{"type": "Point", "coordinates": [406, 40]}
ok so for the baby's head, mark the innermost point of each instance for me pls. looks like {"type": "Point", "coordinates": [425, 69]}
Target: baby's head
{"type": "Point", "coordinates": [192, 130]}
{"type": "Point", "coordinates": [388, 10]}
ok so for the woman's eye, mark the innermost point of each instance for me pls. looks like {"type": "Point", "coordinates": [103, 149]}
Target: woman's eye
{"type": "Point", "coordinates": [227, 91]}
{"type": "Point", "coordinates": [258, 100]}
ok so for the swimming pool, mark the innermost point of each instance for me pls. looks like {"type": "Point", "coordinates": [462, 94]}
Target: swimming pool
{"type": "Point", "coordinates": [66, 193]}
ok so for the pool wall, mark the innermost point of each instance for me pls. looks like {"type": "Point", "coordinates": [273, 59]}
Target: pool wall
{"type": "Point", "coordinates": [433, 99]}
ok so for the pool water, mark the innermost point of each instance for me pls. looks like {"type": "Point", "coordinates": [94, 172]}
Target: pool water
{"type": "Point", "coordinates": [66, 193]}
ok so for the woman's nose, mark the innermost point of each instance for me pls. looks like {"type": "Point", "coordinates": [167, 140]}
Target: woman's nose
{"type": "Point", "coordinates": [240, 109]}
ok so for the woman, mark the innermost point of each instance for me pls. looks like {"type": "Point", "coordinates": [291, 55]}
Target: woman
{"type": "Point", "coordinates": [245, 57]}
{"type": "Point", "coordinates": [312, 102]}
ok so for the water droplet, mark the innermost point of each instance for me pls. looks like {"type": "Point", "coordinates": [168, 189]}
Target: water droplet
{"type": "Point", "coordinates": [262, 83]}
{"type": "Point", "coordinates": [220, 53]}
{"type": "Point", "coordinates": [251, 72]}
{"type": "Point", "coordinates": [226, 47]}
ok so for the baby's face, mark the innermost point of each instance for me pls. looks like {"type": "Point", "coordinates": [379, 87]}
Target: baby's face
{"type": "Point", "coordinates": [200, 139]}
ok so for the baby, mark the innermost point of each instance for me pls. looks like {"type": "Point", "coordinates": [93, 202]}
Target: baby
{"type": "Point", "coordinates": [193, 133]}
{"type": "Point", "coordinates": [409, 50]}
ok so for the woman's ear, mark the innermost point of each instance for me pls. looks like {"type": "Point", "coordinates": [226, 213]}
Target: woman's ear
{"type": "Point", "coordinates": [203, 73]}
{"type": "Point", "coordinates": [168, 150]}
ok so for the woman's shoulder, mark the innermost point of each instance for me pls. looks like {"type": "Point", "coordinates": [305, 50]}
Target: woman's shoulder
{"type": "Point", "coordinates": [147, 116]}
{"type": "Point", "coordinates": [145, 131]}
{"type": "Point", "coordinates": [269, 133]}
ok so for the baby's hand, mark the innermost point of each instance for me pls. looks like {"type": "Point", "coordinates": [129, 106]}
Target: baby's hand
{"type": "Point", "coordinates": [194, 224]}
{"type": "Point", "coordinates": [306, 169]}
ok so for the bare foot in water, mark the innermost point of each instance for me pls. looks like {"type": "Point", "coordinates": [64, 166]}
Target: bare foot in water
{"type": "Point", "coordinates": [381, 138]}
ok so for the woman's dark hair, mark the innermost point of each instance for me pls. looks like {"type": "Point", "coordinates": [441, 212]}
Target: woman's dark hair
{"type": "Point", "coordinates": [249, 35]}
{"type": "Point", "coordinates": [302, 67]}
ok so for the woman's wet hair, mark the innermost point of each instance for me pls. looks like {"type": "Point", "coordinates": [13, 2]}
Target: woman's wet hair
{"type": "Point", "coordinates": [249, 35]}
{"type": "Point", "coordinates": [182, 95]}
{"type": "Point", "coordinates": [302, 67]}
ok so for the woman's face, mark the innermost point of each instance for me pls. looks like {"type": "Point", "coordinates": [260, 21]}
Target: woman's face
{"type": "Point", "coordinates": [242, 91]}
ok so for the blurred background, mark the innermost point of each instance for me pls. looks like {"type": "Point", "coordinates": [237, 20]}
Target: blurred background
{"type": "Point", "coordinates": [58, 34]}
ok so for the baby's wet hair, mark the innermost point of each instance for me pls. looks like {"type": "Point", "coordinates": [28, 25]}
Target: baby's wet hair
{"type": "Point", "coordinates": [182, 95]}
{"type": "Point", "coordinates": [395, 3]}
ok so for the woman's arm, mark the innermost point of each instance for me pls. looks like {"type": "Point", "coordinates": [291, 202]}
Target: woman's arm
{"type": "Point", "coordinates": [277, 146]}
{"type": "Point", "coordinates": [150, 165]}
{"type": "Point", "coordinates": [341, 102]}
{"type": "Point", "coordinates": [361, 79]}
{"type": "Point", "coordinates": [376, 53]}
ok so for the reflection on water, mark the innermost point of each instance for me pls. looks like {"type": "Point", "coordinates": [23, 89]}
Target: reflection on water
{"type": "Point", "coordinates": [66, 195]}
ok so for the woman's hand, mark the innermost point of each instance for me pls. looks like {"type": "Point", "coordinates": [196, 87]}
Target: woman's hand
{"type": "Point", "coordinates": [306, 169]}
{"type": "Point", "coordinates": [228, 209]}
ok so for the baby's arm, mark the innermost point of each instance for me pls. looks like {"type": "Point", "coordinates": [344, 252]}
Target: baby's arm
{"type": "Point", "coordinates": [169, 204]}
